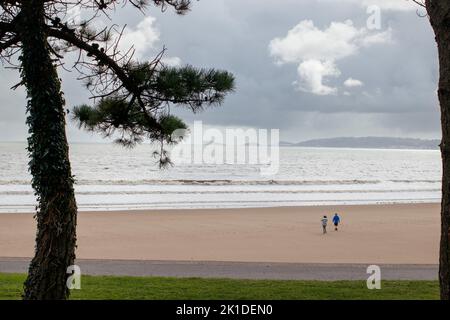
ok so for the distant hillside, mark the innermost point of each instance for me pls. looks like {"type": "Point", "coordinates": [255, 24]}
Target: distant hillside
{"type": "Point", "coordinates": [371, 142]}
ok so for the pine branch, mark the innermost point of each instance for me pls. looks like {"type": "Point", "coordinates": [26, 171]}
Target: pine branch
{"type": "Point", "coordinates": [102, 57]}
{"type": "Point", "coordinates": [9, 43]}
{"type": "Point", "coordinates": [420, 3]}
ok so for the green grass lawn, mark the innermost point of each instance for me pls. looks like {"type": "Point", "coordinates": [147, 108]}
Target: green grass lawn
{"type": "Point", "coordinates": [155, 288]}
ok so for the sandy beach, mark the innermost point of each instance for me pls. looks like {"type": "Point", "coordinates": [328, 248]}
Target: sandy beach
{"type": "Point", "coordinates": [388, 234]}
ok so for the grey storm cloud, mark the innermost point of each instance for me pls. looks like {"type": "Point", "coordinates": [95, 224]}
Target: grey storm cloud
{"type": "Point", "coordinates": [396, 95]}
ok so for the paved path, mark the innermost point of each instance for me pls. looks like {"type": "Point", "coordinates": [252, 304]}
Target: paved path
{"type": "Point", "coordinates": [237, 270]}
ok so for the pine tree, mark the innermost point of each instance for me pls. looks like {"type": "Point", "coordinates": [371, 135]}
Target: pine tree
{"type": "Point", "coordinates": [133, 100]}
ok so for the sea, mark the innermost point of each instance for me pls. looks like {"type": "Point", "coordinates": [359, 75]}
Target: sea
{"type": "Point", "coordinates": [110, 177]}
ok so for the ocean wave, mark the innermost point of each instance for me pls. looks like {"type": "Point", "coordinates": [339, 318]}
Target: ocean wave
{"type": "Point", "coordinates": [138, 192]}
{"type": "Point", "coordinates": [416, 181]}
{"type": "Point", "coordinates": [14, 182]}
{"type": "Point", "coordinates": [215, 182]}
{"type": "Point", "coordinates": [225, 182]}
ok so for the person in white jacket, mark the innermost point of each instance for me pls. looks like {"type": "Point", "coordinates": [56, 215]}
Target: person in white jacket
{"type": "Point", "coordinates": [324, 224]}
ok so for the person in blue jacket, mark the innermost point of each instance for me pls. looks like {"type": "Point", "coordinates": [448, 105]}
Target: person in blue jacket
{"type": "Point", "coordinates": [336, 221]}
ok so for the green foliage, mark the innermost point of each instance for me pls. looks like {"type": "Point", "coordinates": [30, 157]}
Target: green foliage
{"type": "Point", "coordinates": [156, 288]}
{"type": "Point", "coordinates": [141, 73]}
{"type": "Point", "coordinates": [112, 115]}
{"type": "Point", "coordinates": [134, 118]}
{"type": "Point", "coordinates": [172, 130]}
{"type": "Point", "coordinates": [193, 87]}
{"type": "Point", "coordinates": [169, 124]}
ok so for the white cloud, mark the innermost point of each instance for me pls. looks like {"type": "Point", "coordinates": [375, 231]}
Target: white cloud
{"type": "Point", "coordinates": [312, 73]}
{"type": "Point", "coordinates": [74, 14]}
{"type": "Point", "coordinates": [305, 41]}
{"type": "Point", "coordinates": [351, 83]}
{"type": "Point", "coordinates": [316, 51]}
{"type": "Point", "coordinates": [172, 61]}
{"type": "Point", "coordinates": [377, 38]}
{"type": "Point", "coordinates": [142, 38]}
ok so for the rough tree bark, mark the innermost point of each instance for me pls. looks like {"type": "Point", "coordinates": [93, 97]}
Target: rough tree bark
{"type": "Point", "coordinates": [439, 14]}
{"type": "Point", "coordinates": [137, 96]}
{"type": "Point", "coordinates": [49, 163]}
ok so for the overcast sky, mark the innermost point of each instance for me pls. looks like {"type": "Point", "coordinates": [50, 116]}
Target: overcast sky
{"type": "Point", "coordinates": [311, 68]}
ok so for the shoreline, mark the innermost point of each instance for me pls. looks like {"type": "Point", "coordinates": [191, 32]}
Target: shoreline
{"type": "Point", "coordinates": [314, 205]}
{"type": "Point", "coordinates": [385, 234]}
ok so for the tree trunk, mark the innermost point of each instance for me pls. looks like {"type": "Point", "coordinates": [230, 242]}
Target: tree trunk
{"type": "Point", "coordinates": [439, 13]}
{"type": "Point", "coordinates": [49, 163]}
